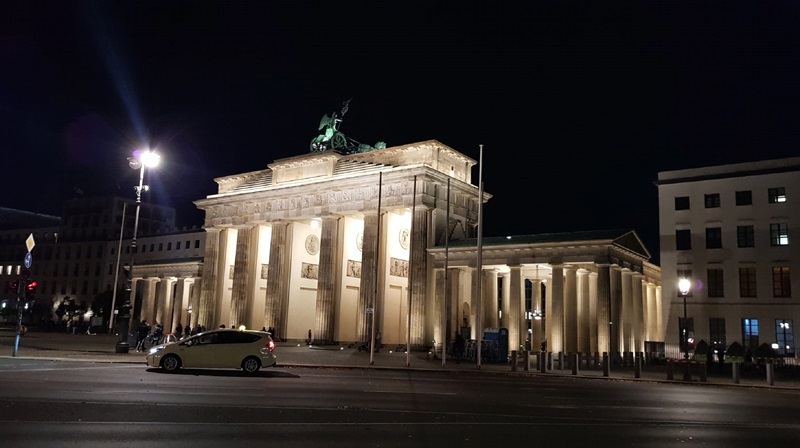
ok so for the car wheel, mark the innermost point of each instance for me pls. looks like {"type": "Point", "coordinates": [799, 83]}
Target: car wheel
{"type": "Point", "coordinates": [171, 363]}
{"type": "Point", "coordinates": [251, 364]}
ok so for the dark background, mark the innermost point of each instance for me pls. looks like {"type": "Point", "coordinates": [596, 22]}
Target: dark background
{"type": "Point", "coordinates": [578, 104]}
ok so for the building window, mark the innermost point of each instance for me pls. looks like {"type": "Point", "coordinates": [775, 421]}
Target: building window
{"type": "Point", "coordinates": [197, 244]}
{"type": "Point", "coordinates": [781, 284]}
{"type": "Point", "coordinates": [110, 269]}
{"type": "Point", "coordinates": [745, 236]}
{"type": "Point", "coordinates": [716, 286]}
{"type": "Point", "coordinates": [683, 239]}
{"type": "Point", "coordinates": [160, 247]}
{"type": "Point", "coordinates": [779, 234]}
{"type": "Point", "coordinates": [716, 326]}
{"type": "Point", "coordinates": [744, 197]}
{"type": "Point", "coordinates": [784, 336]}
{"type": "Point", "coordinates": [152, 247]}
{"type": "Point", "coordinates": [714, 238]}
{"type": "Point", "coordinates": [777, 195]}
{"type": "Point", "coordinates": [113, 250]}
{"type": "Point", "coordinates": [85, 287]}
{"type": "Point", "coordinates": [747, 282]}
{"type": "Point", "coordinates": [682, 203]}
{"type": "Point", "coordinates": [169, 246]}
{"type": "Point", "coordinates": [187, 244]}
{"type": "Point", "coordinates": [712, 200]}
{"type": "Point", "coordinates": [178, 245]}
{"type": "Point", "coordinates": [750, 333]}
{"type": "Point", "coordinates": [144, 248]}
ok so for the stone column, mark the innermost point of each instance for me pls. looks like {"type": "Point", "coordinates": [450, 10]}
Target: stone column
{"type": "Point", "coordinates": [660, 336]}
{"type": "Point", "coordinates": [328, 281]}
{"type": "Point", "coordinates": [194, 300]}
{"type": "Point", "coordinates": [418, 275]}
{"type": "Point", "coordinates": [489, 293]}
{"type": "Point", "coordinates": [570, 310]}
{"type": "Point", "coordinates": [148, 300]}
{"type": "Point", "coordinates": [652, 325]}
{"type": "Point", "coordinates": [366, 293]}
{"type": "Point", "coordinates": [593, 313]}
{"type": "Point", "coordinates": [627, 312]}
{"type": "Point", "coordinates": [439, 303]}
{"type": "Point", "coordinates": [164, 311]}
{"type": "Point", "coordinates": [181, 303]}
{"type": "Point", "coordinates": [516, 304]}
{"type": "Point", "coordinates": [603, 308]}
{"type": "Point", "coordinates": [637, 318]}
{"type": "Point", "coordinates": [135, 317]}
{"type": "Point", "coordinates": [278, 275]}
{"type": "Point", "coordinates": [242, 273]}
{"type": "Point", "coordinates": [536, 305]}
{"type": "Point", "coordinates": [583, 311]}
{"type": "Point", "coordinates": [204, 313]}
{"type": "Point", "coordinates": [616, 312]}
{"type": "Point", "coordinates": [555, 311]}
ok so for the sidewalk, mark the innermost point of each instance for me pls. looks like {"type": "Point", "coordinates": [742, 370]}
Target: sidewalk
{"type": "Point", "coordinates": [101, 348]}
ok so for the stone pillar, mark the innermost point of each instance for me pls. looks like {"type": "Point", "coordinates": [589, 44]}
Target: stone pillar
{"type": "Point", "coordinates": [181, 303]}
{"type": "Point", "coordinates": [555, 311]}
{"type": "Point", "coordinates": [660, 336]}
{"type": "Point", "coordinates": [439, 301]}
{"type": "Point", "coordinates": [280, 257]}
{"type": "Point", "coordinates": [328, 281]}
{"type": "Point", "coordinates": [637, 319]}
{"type": "Point", "coordinates": [652, 323]}
{"type": "Point", "coordinates": [584, 331]}
{"type": "Point", "coordinates": [164, 316]}
{"type": "Point", "coordinates": [204, 313]}
{"type": "Point", "coordinates": [616, 314]}
{"type": "Point", "coordinates": [366, 295]}
{"type": "Point", "coordinates": [418, 275]}
{"type": "Point", "coordinates": [516, 301]}
{"type": "Point", "coordinates": [570, 310]}
{"type": "Point", "coordinates": [536, 305]}
{"type": "Point", "coordinates": [593, 345]}
{"type": "Point", "coordinates": [135, 317]}
{"type": "Point", "coordinates": [627, 312]}
{"type": "Point", "coordinates": [194, 300]}
{"type": "Point", "coordinates": [603, 309]}
{"type": "Point", "coordinates": [148, 300]}
{"type": "Point", "coordinates": [242, 273]}
{"type": "Point", "coordinates": [490, 302]}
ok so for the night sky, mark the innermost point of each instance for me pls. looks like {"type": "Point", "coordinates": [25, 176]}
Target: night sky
{"type": "Point", "coordinates": [578, 106]}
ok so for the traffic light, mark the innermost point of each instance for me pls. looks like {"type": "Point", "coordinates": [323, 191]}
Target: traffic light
{"type": "Point", "coordinates": [31, 288]}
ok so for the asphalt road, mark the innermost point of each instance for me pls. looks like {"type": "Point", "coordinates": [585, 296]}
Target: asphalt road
{"type": "Point", "coordinates": [55, 403]}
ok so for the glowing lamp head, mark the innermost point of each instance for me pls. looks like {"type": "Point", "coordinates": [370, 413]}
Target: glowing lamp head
{"type": "Point", "coordinates": [144, 157]}
{"type": "Point", "coordinates": [684, 285]}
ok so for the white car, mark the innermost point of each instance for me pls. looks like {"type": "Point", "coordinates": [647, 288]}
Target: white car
{"type": "Point", "coordinates": [218, 349]}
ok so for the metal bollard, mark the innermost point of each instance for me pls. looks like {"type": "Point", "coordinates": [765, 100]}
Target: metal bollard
{"type": "Point", "coordinates": [526, 361]}
{"type": "Point", "coordinates": [561, 365]}
{"type": "Point", "coordinates": [703, 372]}
{"type": "Point", "coordinates": [543, 362]}
{"type": "Point", "coordinates": [606, 365]}
{"type": "Point", "coordinates": [770, 373]}
{"type": "Point", "coordinates": [637, 366]}
{"type": "Point", "coordinates": [687, 372]}
{"type": "Point", "coordinates": [550, 361]}
{"type": "Point", "coordinates": [670, 370]}
{"type": "Point", "coordinates": [735, 369]}
{"type": "Point", "coordinates": [513, 360]}
{"type": "Point", "coordinates": [576, 360]}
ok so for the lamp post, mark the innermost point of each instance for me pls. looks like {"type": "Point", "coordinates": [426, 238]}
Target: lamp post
{"type": "Point", "coordinates": [139, 161]}
{"type": "Point", "coordinates": [684, 285]}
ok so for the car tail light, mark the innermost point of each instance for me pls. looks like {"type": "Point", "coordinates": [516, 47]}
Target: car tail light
{"type": "Point", "coordinates": [270, 344]}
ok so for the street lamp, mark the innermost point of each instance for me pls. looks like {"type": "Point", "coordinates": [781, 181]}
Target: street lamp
{"type": "Point", "coordinates": [140, 160]}
{"type": "Point", "coordinates": [684, 285]}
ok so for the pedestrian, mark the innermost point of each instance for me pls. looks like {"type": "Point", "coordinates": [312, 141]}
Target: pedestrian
{"type": "Point", "coordinates": [178, 331]}
{"type": "Point", "coordinates": [458, 347]}
{"type": "Point", "coordinates": [378, 341]}
{"type": "Point", "coordinates": [141, 335]}
{"type": "Point", "coordinates": [308, 341]}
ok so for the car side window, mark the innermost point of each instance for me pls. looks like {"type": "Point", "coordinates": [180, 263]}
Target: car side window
{"type": "Point", "coordinates": [206, 339]}
{"type": "Point", "coordinates": [237, 338]}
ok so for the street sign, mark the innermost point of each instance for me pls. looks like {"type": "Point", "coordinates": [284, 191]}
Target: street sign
{"type": "Point", "coordinates": [29, 243]}
{"type": "Point", "coordinates": [28, 260]}
{"type": "Point", "coordinates": [369, 310]}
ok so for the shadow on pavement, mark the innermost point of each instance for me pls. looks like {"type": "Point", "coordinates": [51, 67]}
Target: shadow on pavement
{"type": "Point", "coordinates": [226, 373]}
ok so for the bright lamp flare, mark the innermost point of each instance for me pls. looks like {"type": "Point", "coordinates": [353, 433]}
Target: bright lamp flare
{"type": "Point", "coordinates": [149, 158]}
{"type": "Point", "coordinates": [684, 285]}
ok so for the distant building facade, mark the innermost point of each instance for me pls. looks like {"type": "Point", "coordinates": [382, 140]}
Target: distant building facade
{"type": "Point", "coordinates": [733, 231]}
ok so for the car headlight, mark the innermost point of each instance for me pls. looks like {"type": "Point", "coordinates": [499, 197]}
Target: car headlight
{"type": "Point", "coordinates": [157, 349]}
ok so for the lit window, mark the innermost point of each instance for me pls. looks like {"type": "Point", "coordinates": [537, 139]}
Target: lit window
{"type": "Point", "coordinates": [784, 336]}
{"type": "Point", "coordinates": [779, 234]}
{"type": "Point", "coordinates": [750, 333]}
{"type": "Point", "coordinates": [777, 195]}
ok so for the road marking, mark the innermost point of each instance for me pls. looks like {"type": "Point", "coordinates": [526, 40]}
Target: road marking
{"type": "Point", "coordinates": [406, 392]}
